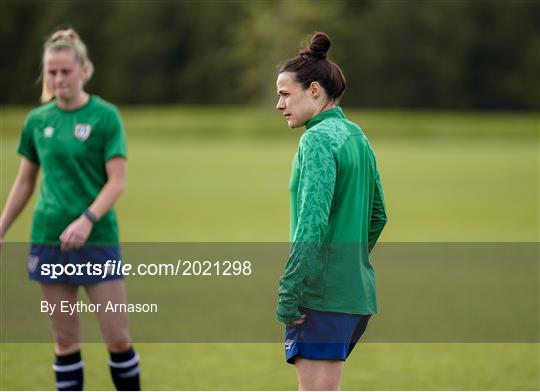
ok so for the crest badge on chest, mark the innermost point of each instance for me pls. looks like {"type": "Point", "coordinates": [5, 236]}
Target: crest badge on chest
{"type": "Point", "coordinates": [82, 131]}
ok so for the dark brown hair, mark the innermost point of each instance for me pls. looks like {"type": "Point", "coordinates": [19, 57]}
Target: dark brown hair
{"type": "Point", "coordinates": [311, 65]}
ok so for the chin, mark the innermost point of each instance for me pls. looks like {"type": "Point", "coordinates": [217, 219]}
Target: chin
{"type": "Point", "coordinates": [63, 97]}
{"type": "Point", "coordinates": [292, 124]}
{"type": "Point", "coordinates": [64, 94]}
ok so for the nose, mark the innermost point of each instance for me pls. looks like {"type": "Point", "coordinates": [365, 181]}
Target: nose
{"type": "Point", "coordinates": [58, 78]}
{"type": "Point", "coordinates": [280, 104]}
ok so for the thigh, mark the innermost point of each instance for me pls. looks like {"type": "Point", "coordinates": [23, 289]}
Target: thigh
{"type": "Point", "coordinates": [65, 324]}
{"type": "Point", "coordinates": [316, 375]}
{"type": "Point", "coordinates": [113, 324]}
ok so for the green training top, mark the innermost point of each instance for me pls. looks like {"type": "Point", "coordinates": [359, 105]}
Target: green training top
{"type": "Point", "coordinates": [337, 215]}
{"type": "Point", "coordinates": [72, 147]}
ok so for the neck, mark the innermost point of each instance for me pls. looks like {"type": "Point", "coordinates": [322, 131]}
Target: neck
{"type": "Point", "coordinates": [76, 102]}
{"type": "Point", "coordinates": [330, 104]}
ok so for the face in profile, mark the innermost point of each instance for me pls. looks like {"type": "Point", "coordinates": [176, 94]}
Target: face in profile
{"type": "Point", "coordinates": [65, 74]}
{"type": "Point", "coordinates": [298, 105]}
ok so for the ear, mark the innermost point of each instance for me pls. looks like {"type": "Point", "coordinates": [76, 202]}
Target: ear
{"type": "Point", "coordinates": [315, 89]}
{"type": "Point", "coordinates": [85, 71]}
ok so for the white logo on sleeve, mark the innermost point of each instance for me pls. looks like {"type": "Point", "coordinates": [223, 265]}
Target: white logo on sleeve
{"type": "Point", "coordinates": [82, 131]}
{"type": "Point", "coordinates": [48, 132]}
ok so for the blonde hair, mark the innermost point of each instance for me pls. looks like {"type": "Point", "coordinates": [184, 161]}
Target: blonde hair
{"type": "Point", "coordinates": [61, 40]}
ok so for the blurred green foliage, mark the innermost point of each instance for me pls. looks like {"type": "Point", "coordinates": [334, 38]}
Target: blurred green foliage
{"type": "Point", "coordinates": [482, 54]}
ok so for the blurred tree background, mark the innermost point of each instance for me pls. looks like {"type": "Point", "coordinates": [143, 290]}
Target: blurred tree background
{"type": "Point", "coordinates": [481, 54]}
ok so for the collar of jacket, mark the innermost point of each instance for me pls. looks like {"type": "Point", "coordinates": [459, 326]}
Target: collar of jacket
{"type": "Point", "coordinates": [330, 113]}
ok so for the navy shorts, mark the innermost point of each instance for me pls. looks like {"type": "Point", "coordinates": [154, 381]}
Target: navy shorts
{"type": "Point", "coordinates": [324, 335]}
{"type": "Point", "coordinates": [87, 265]}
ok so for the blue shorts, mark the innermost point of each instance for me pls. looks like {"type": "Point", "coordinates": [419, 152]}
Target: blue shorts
{"type": "Point", "coordinates": [324, 335]}
{"type": "Point", "coordinates": [87, 265]}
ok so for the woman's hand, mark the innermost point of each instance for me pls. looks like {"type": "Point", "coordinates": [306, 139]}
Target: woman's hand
{"type": "Point", "coordinates": [297, 322]}
{"type": "Point", "coordinates": [76, 234]}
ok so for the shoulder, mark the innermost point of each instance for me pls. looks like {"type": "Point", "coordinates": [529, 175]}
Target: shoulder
{"type": "Point", "coordinates": [324, 130]}
{"type": "Point", "coordinates": [328, 134]}
{"type": "Point", "coordinates": [101, 104]}
{"type": "Point", "coordinates": [41, 112]}
{"type": "Point", "coordinates": [317, 142]}
{"type": "Point", "coordinates": [107, 112]}
{"type": "Point", "coordinates": [316, 135]}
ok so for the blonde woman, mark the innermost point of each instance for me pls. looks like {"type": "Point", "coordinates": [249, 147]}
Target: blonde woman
{"type": "Point", "coordinates": [78, 140]}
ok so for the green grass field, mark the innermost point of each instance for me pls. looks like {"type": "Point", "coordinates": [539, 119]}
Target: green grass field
{"type": "Point", "coordinates": [221, 174]}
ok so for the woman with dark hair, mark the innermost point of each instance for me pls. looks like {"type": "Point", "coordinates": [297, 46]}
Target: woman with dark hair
{"type": "Point", "coordinates": [327, 291]}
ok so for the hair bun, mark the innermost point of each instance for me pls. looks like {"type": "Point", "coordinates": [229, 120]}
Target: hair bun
{"type": "Point", "coordinates": [319, 45]}
{"type": "Point", "coordinates": [64, 35]}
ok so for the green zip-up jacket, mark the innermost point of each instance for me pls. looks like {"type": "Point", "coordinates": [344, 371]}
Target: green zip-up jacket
{"type": "Point", "coordinates": [337, 215]}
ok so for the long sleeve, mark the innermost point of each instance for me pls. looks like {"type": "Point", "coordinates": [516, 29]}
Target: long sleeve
{"type": "Point", "coordinates": [316, 182]}
{"type": "Point", "coordinates": [378, 215]}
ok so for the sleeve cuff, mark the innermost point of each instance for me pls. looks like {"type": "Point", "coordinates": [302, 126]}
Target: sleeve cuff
{"type": "Point", "coordinates": [28, 156]}
{"type": "Point", "coordinates": [288, 317]}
